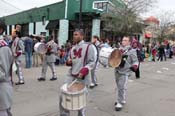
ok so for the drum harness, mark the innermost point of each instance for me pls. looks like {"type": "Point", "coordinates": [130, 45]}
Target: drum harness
{"type": "Point", "coordinates": [124, 58]}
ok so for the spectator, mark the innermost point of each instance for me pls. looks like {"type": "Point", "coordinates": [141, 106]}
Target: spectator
{"type": "Point", "coordinates": [35, 54]}
{"type": "Point", "coordinates": [161, 52]}
{"type": "Point", "coordinates": [28, 43]}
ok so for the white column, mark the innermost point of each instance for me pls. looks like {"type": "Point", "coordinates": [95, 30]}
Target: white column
{"type": "Point", "coordinates": [31, 26]}
{"type": "Point", "coordinates": [96, 27]}
{"type": "Point", "coordinates": [13, 27]}
{"type": "Point", "coordinates": [40, 27]}
{"type": "Point", "coordinates": [63, 32]}
{"type": "Point", "coordinates": [8, 33]}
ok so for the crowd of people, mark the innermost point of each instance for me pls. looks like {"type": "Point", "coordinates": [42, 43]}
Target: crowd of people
{"type": "Point", "coordinates": [82, 58]}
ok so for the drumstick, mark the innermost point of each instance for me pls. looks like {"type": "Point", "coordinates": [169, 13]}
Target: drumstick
{"type": "Point", "coordinates": [72, 83]}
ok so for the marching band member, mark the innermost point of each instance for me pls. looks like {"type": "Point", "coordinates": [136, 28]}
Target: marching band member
{"type": "Point", "coordinates": [17, 50]}
{"type": "Point", "coordinates": [6, 60]}
{"type": "Point", "coordinates": [97, 44]}
{"type": "Point", "coordinates": [82, 60]}
{"type": "Point", "coordinates": [49, 60]}
{"type": "Point", "coordinates": [128, 63]}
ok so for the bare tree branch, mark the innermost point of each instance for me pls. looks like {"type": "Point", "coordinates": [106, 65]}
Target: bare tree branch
{"type": "Point", "coordinates": [167, 19]}
{"type": "Point", "coordinates": [125, 19]}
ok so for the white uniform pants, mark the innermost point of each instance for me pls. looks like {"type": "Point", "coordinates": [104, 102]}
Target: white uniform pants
{"type": "Point", "coordinates": [5, 112]}
{"type": "Point", "coordinates": [44, 69]}
{"type": "Point", "coordinates": [121, 81]}
{"type": "Point", "coordinates": [19, 70]}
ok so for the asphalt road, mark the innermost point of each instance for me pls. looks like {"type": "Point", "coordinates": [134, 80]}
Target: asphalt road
{"type": "Point", "coordinates": [151, 95]}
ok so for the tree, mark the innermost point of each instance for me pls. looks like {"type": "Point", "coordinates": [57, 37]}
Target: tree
{"type": "Point", "coordinates": [125, 19]}
{"type": "Point", "coordinates": [167, 21]}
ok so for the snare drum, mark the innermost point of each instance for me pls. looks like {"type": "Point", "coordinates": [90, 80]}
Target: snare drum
{"type": "Point", "coordinates": [74, 97]}
{"type": "Point", "coordinates": [40, 48]}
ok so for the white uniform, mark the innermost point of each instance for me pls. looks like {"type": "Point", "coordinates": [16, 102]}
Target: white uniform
{"type": "Point", "coordinates": [49, 60]}
{"type": "Point", "coordinates": [94, 70]}
{"type": "Point", "coordinates": [123, 71]}
{"type": "Point", "coordinates": [17, 50]}
{"type": "Point", "coordinates": [83, 58]}
{"type": "Point", "coordinates": [6, 89]}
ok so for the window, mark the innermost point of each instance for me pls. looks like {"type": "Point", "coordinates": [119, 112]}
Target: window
{"type": "Point", "coordinates": [43, 33]}
{"type": "Point", "coordinates": [34, 28]}
{"type": "Point", "coordinates": [43, 20]}
{"type": "Point", "coordinates": [10, 29]}
{"type": "Point", "coordinates": [102, 5]}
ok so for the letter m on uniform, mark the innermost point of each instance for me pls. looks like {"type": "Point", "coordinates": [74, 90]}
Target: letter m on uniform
{"type": "Point", "coordinates": [77, 53]}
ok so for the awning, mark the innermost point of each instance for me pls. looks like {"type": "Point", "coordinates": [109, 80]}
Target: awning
{"type": "Point", "coordinates": [148, 35]}
{"type": "Point", "coordinates": [54, 24]}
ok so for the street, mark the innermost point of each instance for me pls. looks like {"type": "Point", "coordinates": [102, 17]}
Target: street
{"type": "Point", "coordinates": [151, 95]}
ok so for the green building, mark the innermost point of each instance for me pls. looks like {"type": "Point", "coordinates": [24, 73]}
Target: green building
{"type": "Point", "coordinates": [61, 19]}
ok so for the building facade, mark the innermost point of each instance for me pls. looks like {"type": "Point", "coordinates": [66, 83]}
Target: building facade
{"type": "Point", "coordinates": [62, 18]}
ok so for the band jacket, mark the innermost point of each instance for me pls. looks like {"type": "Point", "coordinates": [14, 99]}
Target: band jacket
{"type": "Point", "coordinates": [130, 60]}
{"type": "Point", "coordinates": [18, 48]}
{"type": "Point", "coordinates": [6, 59]}
{"type": "Point", "coordinates": [83, 56]}
{"type": "Point", "coordinates": [52, 50]}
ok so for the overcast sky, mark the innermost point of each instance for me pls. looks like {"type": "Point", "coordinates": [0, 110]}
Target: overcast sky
{"type": "Point", "coordinates": [162, 5]}
{"type": "Point", "coordinates": [19, 5]}
{"type": "Point", "coordinates": [13, 6]}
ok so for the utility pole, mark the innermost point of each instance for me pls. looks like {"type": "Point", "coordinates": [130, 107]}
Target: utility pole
{"type": "Point", "coordinates": [80, 15]}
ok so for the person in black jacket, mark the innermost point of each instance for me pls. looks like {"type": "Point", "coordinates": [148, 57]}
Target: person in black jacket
{"type": "Point", "coordinates": [139, 56]}
{"type": "Point", "coordinates": [161, 52]}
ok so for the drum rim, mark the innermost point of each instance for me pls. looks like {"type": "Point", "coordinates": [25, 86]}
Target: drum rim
{"type": "Point", "coordinates": [73, 109]}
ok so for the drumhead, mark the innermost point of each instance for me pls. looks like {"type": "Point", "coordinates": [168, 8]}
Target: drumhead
{"type": "Point", "coordinates": [76, 88]}
{"type": "Point", "coordinates": [105, 52]}
{"type": "Point", "coordinates": [40, 48]}
{"type": "Point", "coordinates": [104, 55]}
{"type": "Point", "coordinates": [115, 58]}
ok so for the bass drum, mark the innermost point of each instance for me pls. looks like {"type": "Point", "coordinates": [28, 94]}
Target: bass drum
{"type": "Point", "coordinates": [40, 48]}
{"type": "Point", "coordinates": [104, 55]}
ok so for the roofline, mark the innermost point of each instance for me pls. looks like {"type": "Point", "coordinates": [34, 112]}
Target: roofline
{"type": "Point", "coordinates": [32, 9]}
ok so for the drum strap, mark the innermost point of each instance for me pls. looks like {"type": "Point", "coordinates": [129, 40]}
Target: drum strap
{"type": "Point", "coordinates": [85, 58]}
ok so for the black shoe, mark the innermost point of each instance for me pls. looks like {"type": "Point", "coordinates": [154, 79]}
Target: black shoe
{"type": "Point", "coordinates": [115, 103]}
{"type": "Point", "coordinates": [41, 79]}
{"type": "Point", "coordinates": [118, 107]}
{"type": "Point", "coordinates": [93, 85]}
{"type": "Point", "coordinates": [53, 79]}
{"type": "Point", "coordinates": [19, 83]}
